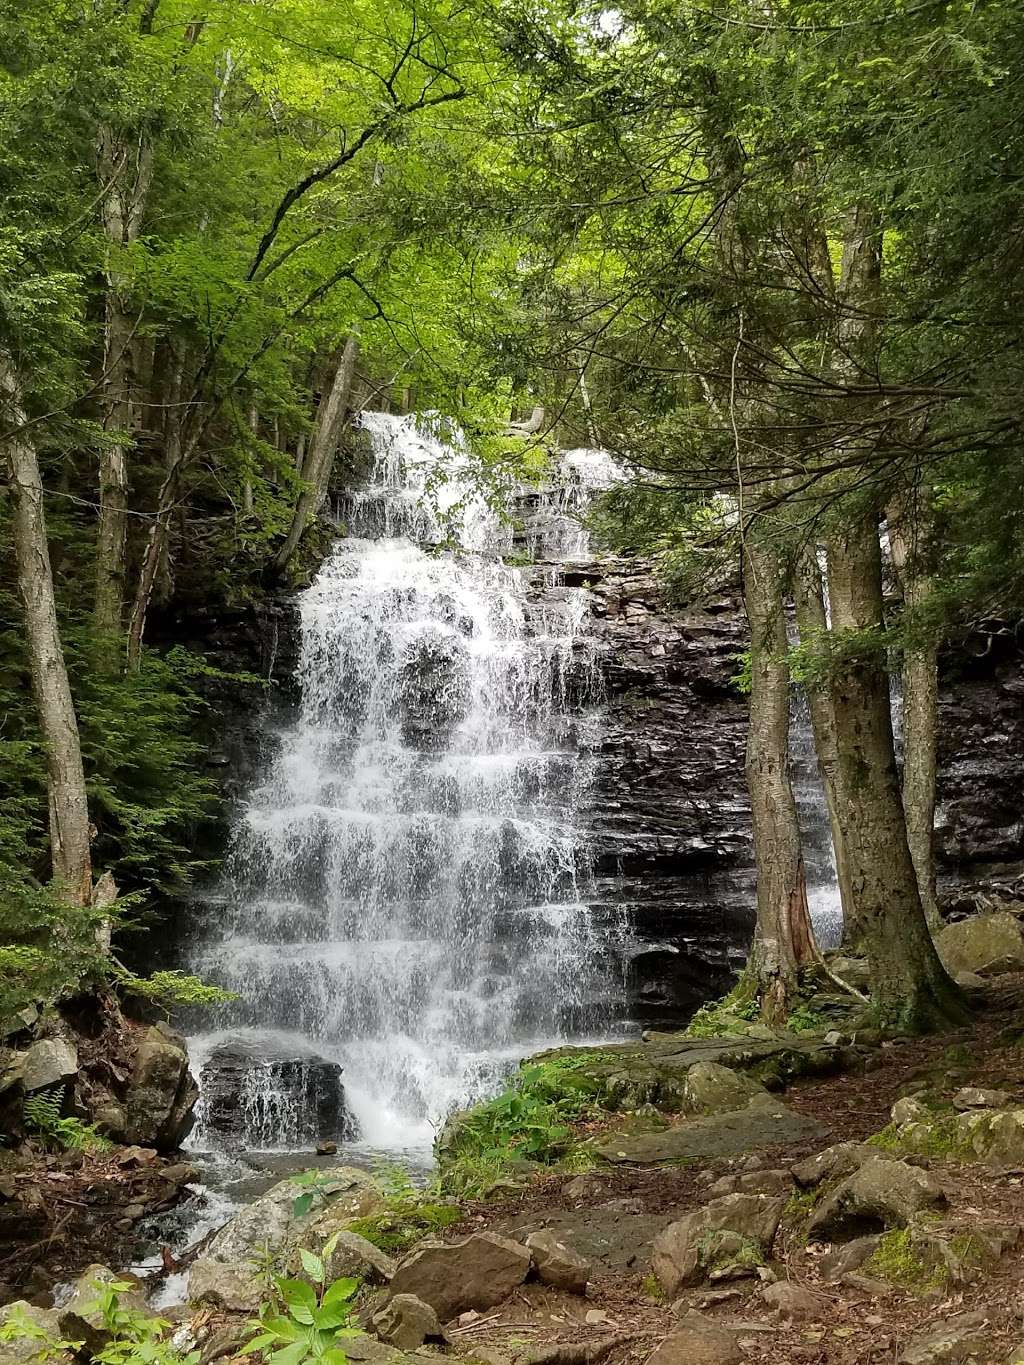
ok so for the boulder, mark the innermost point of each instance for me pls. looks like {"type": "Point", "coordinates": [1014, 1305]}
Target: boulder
{"type": "Point", "coordinates": [233, 1286]}
{"type": "Point", "coordinates": [354, 1256]}
{"type": "Point", "coordinates": [711, 1088]}
{"type": "Point", "coordinates": [847, 1257]}
{"type": "Point", "coordinates": [698, 1346]}
{"type": "Point", "coordinates": [973, 1097]}
{"type": "Point", "coordinates": [833, 1163]}
{"type": "Point", "coordinates": [161, 1091]}
{"type": "Point", "coordinates": [25, 1349]}
{"type": "Point", "coordinates": [691, 1250]}
{"type": "Point", "coordinates": [880, 1194]}
{"type": "Point", "coordinates": [909, 1109]}
{"type": "Point", "coordinates": [995, 1136]}
{"type": "Point", "coordinates": [473, 1272]}
{"type": "Point", "coordinates": [752, 1182]}
{"type": "Point", "coordinates": [269, 1226]}
{"type": "Point", "coordinates": [557, 1264]}
{"type": "Point", "coordinates": [974, 943]}
{"type": "Point", "coordinates": [305, 1090]}
{"type": "Point", "coordinates": [948, 1343]}
{"type": "Point", "coordinates": [765, 1122]}
{"type": "Point", "coordinates": [406, 1322]}
{"type": "Point", "coordinates": [793, 1301]}
{"type": "Point", "coordinates": [80, 1317]}
{"type": "Point", "coordinates": [49, 1064]}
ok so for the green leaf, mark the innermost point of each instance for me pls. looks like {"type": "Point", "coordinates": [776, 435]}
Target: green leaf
{"type": "Point", "coordinates": [312, 1265]}
{"type": "Point", "coordinates": [302, 1205]}
{"type": "Point", "coordinates": [340, 1292]}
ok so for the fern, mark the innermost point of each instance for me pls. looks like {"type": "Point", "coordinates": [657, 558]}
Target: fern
{"type": "Point", "coordinates": [43, 1117]}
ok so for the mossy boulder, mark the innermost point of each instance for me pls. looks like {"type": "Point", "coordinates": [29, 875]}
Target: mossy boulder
{"type": "Point", "coordinates": [973, 944]}
{"type": "Point", "coordinates": [726, 1238]}
{"type": "Point", "coordinates": [993, 1136]}
{"type": "Point", "coordinates": [881, 1193]}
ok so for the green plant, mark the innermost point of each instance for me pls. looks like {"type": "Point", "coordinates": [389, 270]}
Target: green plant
{"type": "Point", "coordinates": [724, 1016]}
{"type": "Point", "coordinates": [136, 1338]}
{"type": "Point", "coordinates": [20, 1328]}
{"type": "Point", "coordinates": [43, 1118]}
{"type": "Point", "coordinates": [170, 988]}
{"type": "Point", "coordinates": [306, 1321]}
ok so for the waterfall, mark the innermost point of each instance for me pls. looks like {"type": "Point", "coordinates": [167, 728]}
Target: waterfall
{"type": "Point", "coordinates": [405, 895]}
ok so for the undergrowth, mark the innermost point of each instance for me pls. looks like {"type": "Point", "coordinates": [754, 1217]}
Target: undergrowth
{"type": "Point", "coordinates": [43, 1119]}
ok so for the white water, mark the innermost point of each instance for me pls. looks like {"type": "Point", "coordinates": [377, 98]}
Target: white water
{"type": "Point", "coordinates": [406, 890]}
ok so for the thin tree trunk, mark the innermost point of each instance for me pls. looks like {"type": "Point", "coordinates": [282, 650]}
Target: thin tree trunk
{"type": "Point", "coordinates": [812, 623]}
{"type": "Point", "coordinates": [323, 445]}
{"type": "Point", "coordinates": [910, 538]}
{"type": "Point", "coordinates": [910, 987]}
{"type": "Point", "coordinates": [68, 805]}
{"type": "Point", "coordinates": [783, 940]}
{"type": "Point", "coordinates": [125, 170]}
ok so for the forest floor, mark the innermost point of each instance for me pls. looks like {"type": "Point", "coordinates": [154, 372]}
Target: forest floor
{"type": "Point", "coordinates": [853, 1323]}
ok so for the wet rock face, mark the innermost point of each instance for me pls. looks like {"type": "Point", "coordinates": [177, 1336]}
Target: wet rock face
{"type": "Point", "coordinates": [256, 1098]}
{"type": "Point", "coordinates": [668, 807]}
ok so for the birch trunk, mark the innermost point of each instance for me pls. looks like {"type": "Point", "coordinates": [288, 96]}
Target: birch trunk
{"type": "Point", "coordinates": [323, 445]}
{"type": "Point", "coordinates": [783, 939]}
{"type": "Point", "coordinates": [125, 170]}
{"type": "Point", "coordinates": [910, 538]}
{"type": "Point", "coordinates": [812, 624]}
{"type": "Point", "coordinates": [68, 805]}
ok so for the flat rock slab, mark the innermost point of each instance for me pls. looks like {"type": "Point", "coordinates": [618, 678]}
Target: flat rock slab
{"type": "Point", "coordinates": [611, 1240]}
{"type": "Point", "coordinates": [721, 1135]}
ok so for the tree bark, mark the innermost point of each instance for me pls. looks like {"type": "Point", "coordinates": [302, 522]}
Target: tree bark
{"type": "Point", "coordinates": [910, 539]}
{"type": "Point", "coordinates": [910, 988]}
{"type": "Point", "coordinates": [125, 170]}
{"type": "Point", "coordinates": [813, 624]}
{"type": "Point", "coordinates": [323, 445]}
{"type": "Point", "coordinates": [783, 939]}
{"type": "Point", "coordinates": [68, 804]}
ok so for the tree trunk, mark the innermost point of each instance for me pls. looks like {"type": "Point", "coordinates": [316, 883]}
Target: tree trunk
{"type": "Point", "coordinates": [783, 939]}
{"type": "Point", "coordinates": [125, 169]}
{"type": "Point", "coordinates": [69, 810]}
{"type": "Point", "coordinates": [323, 445]}
{"type": "Point", "coordinates": [910, 987]}
{"type": "Point", "coordinates": [813, 625]}
{"type": "Point", "coordinates": [910, 538]}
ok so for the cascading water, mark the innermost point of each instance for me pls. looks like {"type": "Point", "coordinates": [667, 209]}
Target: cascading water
{"type": "Point", "coordinates": [404, 896]}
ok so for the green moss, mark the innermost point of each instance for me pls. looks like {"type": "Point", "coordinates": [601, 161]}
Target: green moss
{"type": "Point", "coordinates": [898, 1261]}
{"type": "Point", "coordinates": [726, 1017]}
{"type": "Point", "coordinates": [398, 1229]}
{"type": "Point", "coordinates": [941, 1137]}
{"type": "Point", "coordinates": [801, 1203]}
{"type": "Point", "coordinates": [651, 1286]}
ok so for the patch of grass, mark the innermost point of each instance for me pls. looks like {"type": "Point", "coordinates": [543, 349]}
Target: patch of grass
{"type": "Point", "coordinates": [530, 1122]}
{"type": "Point", "coordinates": [651, 1286]}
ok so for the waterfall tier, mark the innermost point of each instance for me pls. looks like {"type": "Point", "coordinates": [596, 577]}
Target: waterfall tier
{"type": "Point", "coordinates": [406, 891]}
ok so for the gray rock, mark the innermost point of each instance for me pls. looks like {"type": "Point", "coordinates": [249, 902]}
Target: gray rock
{"type": "Point", "coordinates": [473, 1272]}
{"type": "Point", "coordinates": [752, 1182]}
{"type": "Point", "coordinates": [793, 1301]}
{"type": "Point", "coordinates": [557, 1264]}
{"type": "Point", "coordinates": [81, 1320]}
{"type": "Point", "coordinates": [949, 1343]}
{"type": "Point", "coordinates": [25, 1350]}
{"type": "Point", "coordinates": [880, 1194]}
{"type": "Point", "coordinates": [20, 1021]}
{"type": "Point", "coordinates": [690, 1250]}
{"type": "Point", "coordinates": [983, 939]}
{"type": "Point", "coordinates": [49, 1063]}
{"type": "Point", "coordinates": [269, 1226]}
{"type": "Point", "coordinates": [833, 1163]}
{"type": "Point", "coordinates": [848, 1257]}
{"type": "Point", "coordinates": [356, 1256]}
{"type": "Point", "coordinates": [764, 1123]}
{"type": "Point", "coordinates": [909, 1110]}
{"type": "Point", "coordinates": [162, 1093]}
{"type": "Point", "coordinates": [698, 1346]}
{"type": "Point", "coordinates": [711, 1088]}
{"type": "Point", "coordinates": [973, 1097]}
{"type": "Point", "coordinates": [234, 1286]}
{"type": "Point", "coordinates": [406, 1322]}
